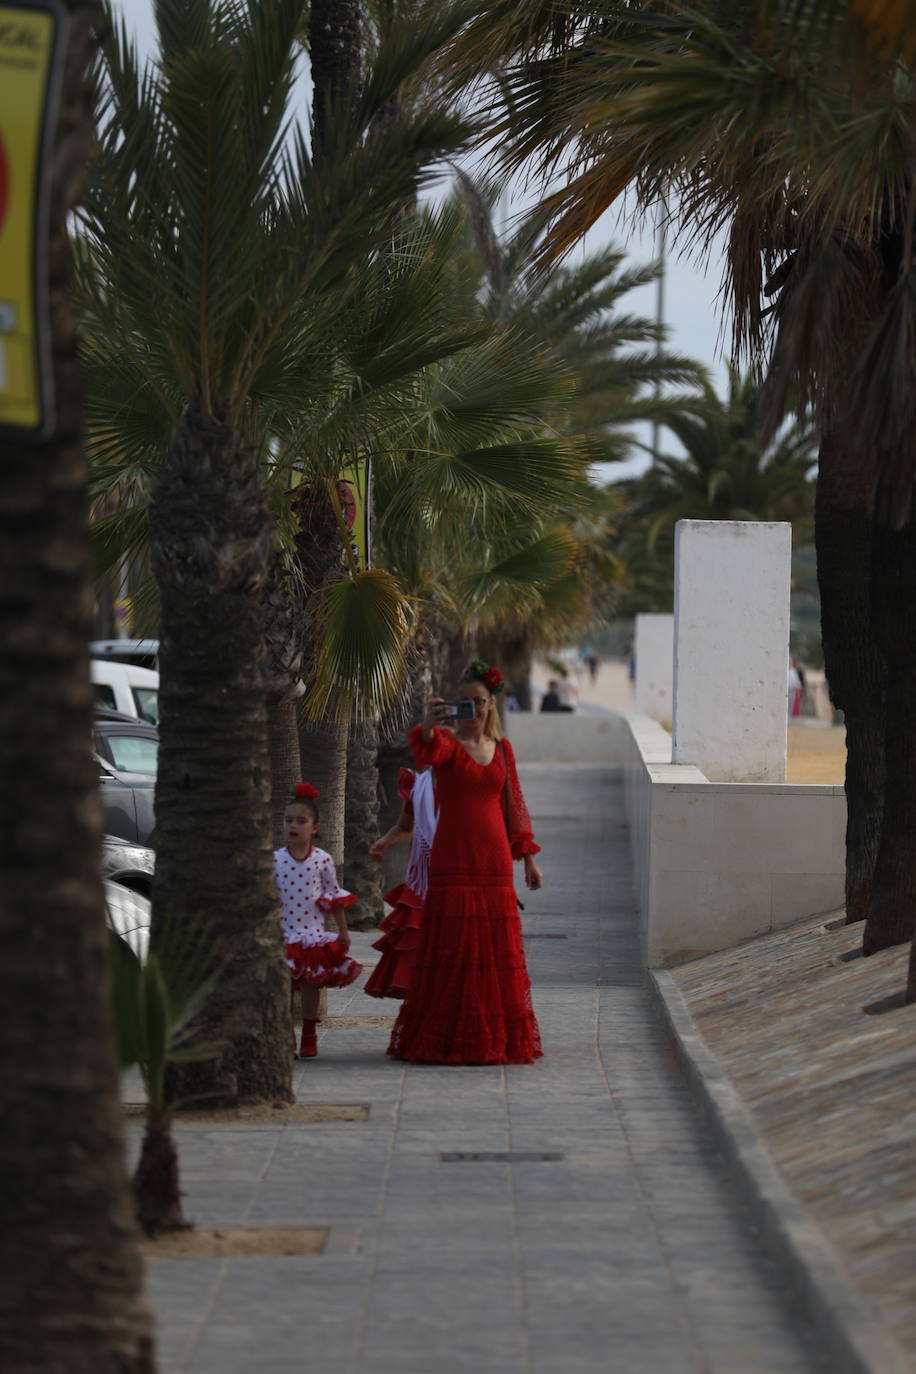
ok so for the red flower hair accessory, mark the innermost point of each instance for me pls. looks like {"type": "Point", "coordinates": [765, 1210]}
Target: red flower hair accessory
{"type": "Point", "coordinates": [491, 678]}
{"type": "Point", "coordinates": [306, 791]}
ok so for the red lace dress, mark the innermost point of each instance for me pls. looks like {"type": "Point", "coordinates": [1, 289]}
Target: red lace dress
{"type": "Point", "coordinates": [401, 927]}
{"type": "Point", "coordinates": [469, 1001]}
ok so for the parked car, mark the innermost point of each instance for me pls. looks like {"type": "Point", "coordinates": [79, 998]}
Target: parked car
{"type": "Point", "coordinates": [125, 687]}
{"type": "Point", "coordinates": [144, 653]}
{"type": "Point", "coordinates": [131, 865]}
{"type": "Point", "coordinates": [128, 914]}
{"type": "Point", "coordinates": [126, 752]}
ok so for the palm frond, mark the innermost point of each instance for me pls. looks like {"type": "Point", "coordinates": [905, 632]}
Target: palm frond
{"type": "Point", "coordinates": [363, 628]}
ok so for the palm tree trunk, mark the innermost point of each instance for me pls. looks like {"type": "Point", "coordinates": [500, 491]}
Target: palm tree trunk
{"type": "Point", "coordinates": [157, 1196]}
{"type": "Point", "coordinates": [890, 918]}
{"type": "Point", "coordinates": [853, 663]}
{"type": "Point", "coordinates": [211, 535]}
{"type": "Point", "coordinates": [285, 762]}
{"type": "Point", "coordinates": [449, 648]}
{"type": "Point", "coordinates": [510, 650]}
{"type": "Point", "coordinates": [284, 613]}
{"type": "Point", "coordinates": [520, 679]}
{"type": "Point", "coordinates": [362, 874]}
{"type": "Point", "coordinates": [335, 47]}
{"type": "Point", "coordinates": [394, 751]}
{"type": "Point", "coordinates": [323, 750]}
{"type": "Point", "coordinates": [70, 1274]}
{"type": "Point", "coordinates": [322, 744]}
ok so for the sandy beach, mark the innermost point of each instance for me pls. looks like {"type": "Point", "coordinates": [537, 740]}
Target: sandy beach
{"type": "Point", "coordinates": [817, 751]}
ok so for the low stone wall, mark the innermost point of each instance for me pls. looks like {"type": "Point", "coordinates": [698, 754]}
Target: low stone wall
{"type": "Point", "coordinates": [568, 737]}
{"type": "Point", "coordinates": [718, 863]}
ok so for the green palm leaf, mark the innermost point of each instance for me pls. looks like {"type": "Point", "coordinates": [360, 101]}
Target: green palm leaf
{"type": "Point", "coordinates": [364, 624]}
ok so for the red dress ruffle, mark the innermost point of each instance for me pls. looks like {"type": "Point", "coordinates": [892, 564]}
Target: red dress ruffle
{"type": "Point", "coordinates": [398, 945]}
{"type": "Point", "coordinates": [324, 966]}
{"type": "Point", "coordinates": [469, 998]}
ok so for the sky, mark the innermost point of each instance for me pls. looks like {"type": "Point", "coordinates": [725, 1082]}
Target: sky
{"type": "Point", "coordinates": [691, 313]}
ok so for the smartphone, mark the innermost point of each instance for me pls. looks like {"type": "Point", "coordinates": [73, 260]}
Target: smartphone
{"type": "Point", "coordinates": [460, 710]}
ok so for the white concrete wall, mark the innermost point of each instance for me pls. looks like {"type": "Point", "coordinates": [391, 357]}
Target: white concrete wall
{"type": "Point", "coordinates": [718, 863]}
{"type": "Point", "coordinates": [567, 737]}
{"type": "Point", "coordinates": [731, 645]}
{"type": "Point", "coordinates": [655, 667]}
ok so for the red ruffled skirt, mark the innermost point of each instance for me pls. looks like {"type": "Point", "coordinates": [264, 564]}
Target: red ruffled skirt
{"type": "Point", "coordinates": [324, 966]}
{"type": "Point", "coordinates": [469, 1000]}
{"type": "Point", "coordinates": [398, 945]}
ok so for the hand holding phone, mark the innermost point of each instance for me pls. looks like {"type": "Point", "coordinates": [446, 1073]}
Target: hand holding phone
{"type": "Point", "coordinates": [459, 710]}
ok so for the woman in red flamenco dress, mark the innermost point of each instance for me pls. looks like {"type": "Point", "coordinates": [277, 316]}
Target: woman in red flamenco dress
{"type": "Point", "coordinates": [469, 999]}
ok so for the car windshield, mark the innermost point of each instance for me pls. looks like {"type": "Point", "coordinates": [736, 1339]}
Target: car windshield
{"type": "Point", "coordinates": [147, 702]}
{"type": "Point", "coordinates": [134, 753]}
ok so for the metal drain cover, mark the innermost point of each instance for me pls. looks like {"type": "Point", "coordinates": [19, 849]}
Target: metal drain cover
{"type": "Point", "coordinates": [500, 1156]}
{"type": "Point", "coordinates": [357, 1022]}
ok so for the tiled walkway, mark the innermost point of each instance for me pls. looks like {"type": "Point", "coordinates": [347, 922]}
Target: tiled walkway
{"type": "Point", "coordinates": [627, 1255]}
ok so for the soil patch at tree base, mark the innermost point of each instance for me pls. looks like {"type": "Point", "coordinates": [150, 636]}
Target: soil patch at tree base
{"type": "Point", "coordinates": [260, 1114]}
{"type": "Point", "coordinates": [235, 1242]}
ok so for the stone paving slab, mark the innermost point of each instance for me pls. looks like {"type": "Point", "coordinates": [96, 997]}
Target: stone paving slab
{"type": "Point", "coordinates": [631, 1254]}
{"type": "Point", "coordinates": [831, 1090]}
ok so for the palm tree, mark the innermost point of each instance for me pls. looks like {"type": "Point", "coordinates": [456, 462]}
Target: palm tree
{"type": "Point", "coordinates": [461, 546]}
{"type": "Point", "coordinates": [70, 1293]}
{"type": "Point", "coordinates": [621, 371]}
{"type": "Point", "coordinates": [156, 1002]}
{"type": "Point", "coordinates": [213, 235]}
{"type": "Point", "coordinates": [777, 123]}
{"type": "Point", "coordinates": [729, 470]}
{"type": "Point", "coordinates": [619, 361]}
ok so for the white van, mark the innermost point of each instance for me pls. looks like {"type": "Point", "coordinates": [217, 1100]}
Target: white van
{"type": "Point", "coordinates": [143, 652]}
{"type": "Point", "coordinates": [125, 687]}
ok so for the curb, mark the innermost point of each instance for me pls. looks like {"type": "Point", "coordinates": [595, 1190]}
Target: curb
{"type": "Point", "coordinates": [845, 1322]}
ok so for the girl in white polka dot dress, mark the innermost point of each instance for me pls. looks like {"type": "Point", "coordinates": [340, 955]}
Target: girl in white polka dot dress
{"type": "Point", "coordinates": [309, 890]}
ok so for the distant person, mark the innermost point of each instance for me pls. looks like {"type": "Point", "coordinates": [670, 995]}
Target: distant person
{"type": "Point", "coordinates": [793, 690]}
{"type": "Point", "coordinates": [803, 686]}
{"type": "Point", "coordinates": [550, 701]}
{"type": "Point", "coordinates": [568, 692]}
{"type": "Point", "coordinates": [592, 662]}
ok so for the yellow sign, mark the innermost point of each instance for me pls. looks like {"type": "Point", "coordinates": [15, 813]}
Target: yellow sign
{"type": "Point", "coordinates": [355, 502]}
{"type": "Point", "coordinates": [354, 491]}
{"type": "Point", "coordinates": [30, 42]}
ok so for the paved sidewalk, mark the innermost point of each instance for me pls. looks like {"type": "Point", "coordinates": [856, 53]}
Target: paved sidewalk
{"type": "Point", "coordinates": [627, 1255]}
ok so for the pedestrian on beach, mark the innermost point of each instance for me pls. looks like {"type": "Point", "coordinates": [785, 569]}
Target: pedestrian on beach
{"type": "Point", "coordinates": [401, 927]}
{"type": "Point", "coordinates": [469, 998]}
{"type": "Point", "coordinates": [309, 890]}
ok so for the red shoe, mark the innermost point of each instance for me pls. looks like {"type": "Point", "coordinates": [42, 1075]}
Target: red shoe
{"type": "Point", "coordinates": [308, 1045]}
